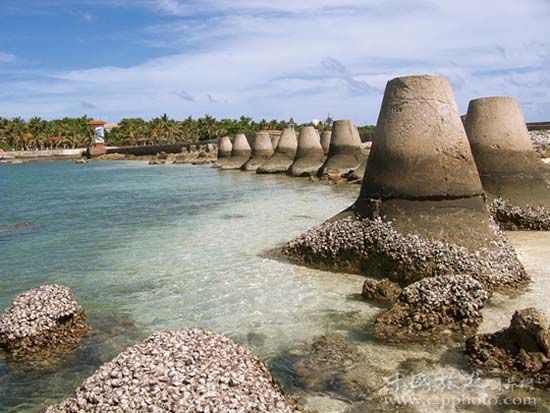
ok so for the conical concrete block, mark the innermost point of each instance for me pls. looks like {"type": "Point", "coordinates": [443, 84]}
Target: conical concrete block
{"type": "Point", "coordinates": [309, 155]}
{"type": "Point", "coordinates": [275, 140]}
{"type": "Point", "coordinates": [345, 152]}
{"type": "Point", "coordinates": [420, 149]}
{"type": "Point", "coordinates": [325, 141]}
{"type": "Point", "coordinates": [511, 171]}
{"type": "Point", "coordinates": [224, 151]}
{"type": "Point", "coordinates": [240, 153]}
{"type": "Point", "coordinates": [421, 211]}
{"type": "Point", "coordinates": [261, 151]}
{"type": "Point", "coordinates": [284, 154]}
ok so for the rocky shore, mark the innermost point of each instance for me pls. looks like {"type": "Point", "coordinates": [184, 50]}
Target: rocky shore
{"type": "Point", "coordinates": [520, 351]}
{"type": "Point", "coordinates": [433, 308]}
{"type": "Point", "coordinates": [41, 320]}
{"type": "Point", "coordinates": [375, 248]}
{"type": "Point", "coordinates": [180, 371]}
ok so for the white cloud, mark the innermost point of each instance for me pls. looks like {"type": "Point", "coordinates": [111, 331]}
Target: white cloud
{"type": "Point", "coordinates": [309, 58]}
{"type": "Point", "coordinates": [6, 57]}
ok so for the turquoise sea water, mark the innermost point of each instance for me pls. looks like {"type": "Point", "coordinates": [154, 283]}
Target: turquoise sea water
{"type": "Point", "coordinates": [147, 248]}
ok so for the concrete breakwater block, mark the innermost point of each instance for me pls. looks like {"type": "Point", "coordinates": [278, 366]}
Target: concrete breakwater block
{"type": "Point", "coordinates": [284, 154]}
{"type": "Point", "coordinates": [240, 153]}
{"type": "Point", "coordinates": [325, 141]}
{"type": "Point", "coordinates": [224, 151]}
{"type": "Point", "coordinates": [421, 211]}
{"type": "Point", "coordinates": [511, 172]}
{"type": "Point", "coordinates": [262, 150]}
{"type": "Point", "coordinates": [41, 320]}
{"type": "Point", "coordinates": [180, 371]}
{"type": "Point", "coordinates": [309, 155]}
{"type": "Point", "coordinates": [345, 153]}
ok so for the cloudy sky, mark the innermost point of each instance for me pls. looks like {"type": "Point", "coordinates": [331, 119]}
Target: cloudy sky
{"type": "Point", "coordinates": [268, 59]}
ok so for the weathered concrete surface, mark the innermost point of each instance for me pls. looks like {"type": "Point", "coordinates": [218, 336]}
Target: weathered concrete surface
{"type": "Point", "coordinates": [224, 150]}
{"type": "Point", "coordinates": [508, 165]}
{"type": "Point", "coordinates": [240, 154]}
{"type": "Point", "coordinates": [420, 188]}
{"type": "Point", "coordinates": [325, 141]}
{"type": "Point", "coordinates": [261, 152]}
{"type": "Point", "coordinates": [309, 156]}
{"type": "Point", "coordinates": [345, 152]}
{"type": "Point", "coordinates": [420, 149]}
{"type": "Point", "coordinates": [284, 154]}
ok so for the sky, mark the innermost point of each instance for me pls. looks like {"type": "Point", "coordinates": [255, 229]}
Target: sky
{"type": "Point", "coordinates": [305, 59]}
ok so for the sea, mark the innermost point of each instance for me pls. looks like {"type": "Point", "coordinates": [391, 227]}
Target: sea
{"type": "Point", "coordinates": [155, 247]}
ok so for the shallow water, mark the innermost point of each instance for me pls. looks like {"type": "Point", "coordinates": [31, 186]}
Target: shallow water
{"type": "Point", "coordinates": [159, 247]}
{"type": "Point", "coordinates": [147, 248]}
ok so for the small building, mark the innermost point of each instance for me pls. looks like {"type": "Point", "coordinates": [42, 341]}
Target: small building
{"type": "Point", "coordinates": [96, 123]}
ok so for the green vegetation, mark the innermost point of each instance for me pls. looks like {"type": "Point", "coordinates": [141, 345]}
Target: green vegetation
{"type": "Point", "coordinates": [37, 133]}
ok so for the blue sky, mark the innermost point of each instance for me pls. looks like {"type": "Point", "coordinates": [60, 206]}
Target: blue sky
{"type": "Point", "coordinates": [268, 59]}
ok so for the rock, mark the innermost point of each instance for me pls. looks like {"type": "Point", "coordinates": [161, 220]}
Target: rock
{"type": "Point", "coordinates": [337, 366]}
{"type": "Point", "coordinates": [240, 153]}
{"type": "Point", "coordinates": [309, 155]}
{"type": "Point", "coordinates": [519, 351]}
{"type": "Point", "coordinates": [380, 291]}
{"type": "Point", "coordinates": [162, 155]}
{"type": "Point", "coordinates": [84, 160]}
{"type": "Point", "coordinates": [43, 319]}
{"type": "Point", "coordinates": [433, 306]}
{"type": "Point", "coordinates": [180, 371]}
{"type": "Point", "coordinates": [511, 172]}
{"type": "Point", "coordinates": [157, 162]}
{"type": "Point", "coordinates": [376, 249]}
{"type": "Point", "coordinates": [284, 154]}
{"type": "Point", "coordinates": [512, 217]}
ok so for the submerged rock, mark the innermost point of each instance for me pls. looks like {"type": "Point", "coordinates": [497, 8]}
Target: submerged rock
{"type": "Point", "coordinates": [381, 291]}
{"type": "Point", "coordinates": [335, 365]}
{"type": "Point", "coordinates": [432, 307]}
{"type": "Point", "coordinates": [519, 351]}
{"type": "Point", "coordinates": [180, 371]}
{"type": "Point", "coordinates": [40, 320]}
{"type": "Point", "coordinates": [511, 172]}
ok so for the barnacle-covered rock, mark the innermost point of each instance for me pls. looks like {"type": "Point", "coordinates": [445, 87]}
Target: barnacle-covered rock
{"type": "Point", "coordinates": [375, 248]}
{"type": "Point", "coordinates": [41, 320]}
{"type": "Point", "coordinates": [180, 371]}
{"type": "Point", "coordinates": [434, 306]}
{"type": "Point", "coordinates": [519, 351]}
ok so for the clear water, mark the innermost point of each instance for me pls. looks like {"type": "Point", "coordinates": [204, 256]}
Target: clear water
{"type": "Point", "coordinates": [148, 248]}
{"type": "Point", "coordinates": [157, 247]}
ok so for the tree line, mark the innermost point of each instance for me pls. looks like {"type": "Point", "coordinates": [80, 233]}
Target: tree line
{"type": "Point", "coordinates": [37, 133]}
